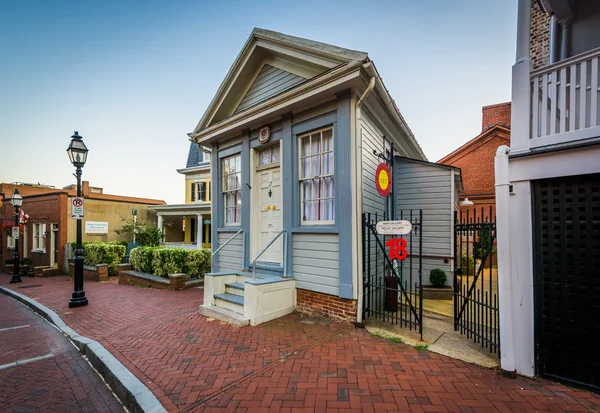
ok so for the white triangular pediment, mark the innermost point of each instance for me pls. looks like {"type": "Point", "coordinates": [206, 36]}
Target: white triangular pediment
{"type": "Point", "coordinates": [269, 64]}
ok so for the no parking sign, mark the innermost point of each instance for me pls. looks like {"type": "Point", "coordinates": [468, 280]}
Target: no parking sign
{"type": "Point", "coordinates": [77, 208]}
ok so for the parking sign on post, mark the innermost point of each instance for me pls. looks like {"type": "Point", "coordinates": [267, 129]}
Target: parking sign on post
{"type": "Point", "coordinates": [77, 208]}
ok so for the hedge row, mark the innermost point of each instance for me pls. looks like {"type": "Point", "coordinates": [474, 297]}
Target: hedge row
{"type": "Point", "coordinates": [162, 261]}
{"type": "Point", "coordinates": [110, 253]}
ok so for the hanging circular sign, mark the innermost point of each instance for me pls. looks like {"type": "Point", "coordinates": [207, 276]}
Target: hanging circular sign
{"type": "Point", "coordinates": [264, 134]}
{"type": "Point", "coordinates": [383, 180]}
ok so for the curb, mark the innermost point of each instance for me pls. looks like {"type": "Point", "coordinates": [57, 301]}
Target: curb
{"type": "Point", "coordinates": [134, 395]}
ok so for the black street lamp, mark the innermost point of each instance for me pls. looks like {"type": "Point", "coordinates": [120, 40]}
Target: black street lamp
{"type": "Point", "coordinates": [16, 200]}
{"type": "Point", "coordinates": [78, 155]}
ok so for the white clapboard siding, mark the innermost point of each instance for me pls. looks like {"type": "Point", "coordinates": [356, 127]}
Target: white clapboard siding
{"type": "Point", "coordinates": [316, 262]}
{"type": "Point", "coordinates": [269, 82]}
{"type": "Point", "coordinates": [230, 257]}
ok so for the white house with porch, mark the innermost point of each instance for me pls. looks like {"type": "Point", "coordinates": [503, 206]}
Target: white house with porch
{"type": "Point", "coordinates": [189, 225]}
{"type": "Point", "coordinates": [548, 196]}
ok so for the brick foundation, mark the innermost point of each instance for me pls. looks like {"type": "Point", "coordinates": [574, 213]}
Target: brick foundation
{"type": "Point", "coordinates": [321, 304]}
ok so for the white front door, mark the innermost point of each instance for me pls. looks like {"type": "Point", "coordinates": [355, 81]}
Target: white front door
{"type": "Point", "coordinates": [269, 213]}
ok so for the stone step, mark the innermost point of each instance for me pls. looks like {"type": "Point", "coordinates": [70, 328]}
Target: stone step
{"type": "Point", "coordinates": [231, 302]}
{"type": "Point", "coordinates": [223, 314]}
{"type": "Point", "coordinates": [235, 289]}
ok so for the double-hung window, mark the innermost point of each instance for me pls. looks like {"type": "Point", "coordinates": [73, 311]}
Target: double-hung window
{"type": "Point", "coordinates": [317, 187]}
{"type": "Point", "coordinates": [232, 194]}
{"type": "Point", "coordinates": [39, 237]}
{"type": "Point", "coordinates": [201, 191]}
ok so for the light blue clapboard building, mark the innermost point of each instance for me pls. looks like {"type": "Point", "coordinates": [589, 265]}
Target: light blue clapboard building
{"type": "Point", "coordinates": [295, 132]}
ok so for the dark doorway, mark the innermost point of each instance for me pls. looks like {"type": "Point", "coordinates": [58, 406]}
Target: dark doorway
{"type": "Point", "coordinates": [567, 278]}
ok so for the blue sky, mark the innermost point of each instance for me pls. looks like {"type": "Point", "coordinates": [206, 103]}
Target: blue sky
{"type": "Point", "coordinates": [134, 77]}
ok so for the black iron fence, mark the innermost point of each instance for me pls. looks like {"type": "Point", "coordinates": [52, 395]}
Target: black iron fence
{"type": "Point", "coordinates": [393, 287]}
{"type": "Point", "coordinates": [476, 312]}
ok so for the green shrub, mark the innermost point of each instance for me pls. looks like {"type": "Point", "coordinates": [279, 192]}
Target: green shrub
{"type": "Point", "coordinates": [467, 262]}
{"type": "Point", "coordinates": [437, 277]}
{"type": "Point", "coordinates": [140, 259]}
{"type": "Point", "coordinates": [110, 253]}
{"type": "Point", "coordinates": [162, 261]}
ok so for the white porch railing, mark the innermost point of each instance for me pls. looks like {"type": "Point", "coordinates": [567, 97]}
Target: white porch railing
{"type": "Point", "coordinates": [564, 101]}
{"type": "Point", "coordinates": [179, 245]}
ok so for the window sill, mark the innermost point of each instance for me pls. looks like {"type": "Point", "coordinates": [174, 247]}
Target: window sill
{"type": "Point", "coordinates": [38, 251]}
{"type": "Point", "coordinates": [10, 248]}
{"type": "Point", "coordinates": [316, 229]}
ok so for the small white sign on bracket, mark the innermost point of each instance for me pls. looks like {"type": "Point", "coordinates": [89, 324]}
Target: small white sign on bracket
{"type": "Point", "coordinates": [401, 227]}
{"type": "Point", "coordinates": [15, 232]}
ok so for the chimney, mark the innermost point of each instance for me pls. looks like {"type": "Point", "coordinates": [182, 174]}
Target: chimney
{"type": "Point", "coordinates": [85, 189]}
{"type": "Point", "coordinates": [495, 115]}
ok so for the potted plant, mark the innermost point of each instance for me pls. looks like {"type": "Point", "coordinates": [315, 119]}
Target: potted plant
{"type": "Point", "coordinates": [438, 290]}
{"type": "Point", "coordinates": [25, 265]}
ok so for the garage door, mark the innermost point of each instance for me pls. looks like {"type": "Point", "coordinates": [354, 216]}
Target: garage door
{"type": "Point", "coordinates": [567, 278]}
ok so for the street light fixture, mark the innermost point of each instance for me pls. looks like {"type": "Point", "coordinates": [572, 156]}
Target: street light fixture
{"type": "Point", "coordinates": [78, 155]}
{"type": "Point", "coordinates": [16, 200]}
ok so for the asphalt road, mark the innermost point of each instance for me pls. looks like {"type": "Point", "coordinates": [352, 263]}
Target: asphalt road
{"type": "Point", "coordinates": [42, 371]}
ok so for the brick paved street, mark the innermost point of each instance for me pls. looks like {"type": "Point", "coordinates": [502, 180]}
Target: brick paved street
{"type": "Point", "coordinates": [194, 364]}
{"type": "Point", "coordinates": [62, 382]}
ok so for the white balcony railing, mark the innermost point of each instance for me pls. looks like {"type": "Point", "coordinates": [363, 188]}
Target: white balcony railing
{"type": "Point", "coordinates": [564, 101]}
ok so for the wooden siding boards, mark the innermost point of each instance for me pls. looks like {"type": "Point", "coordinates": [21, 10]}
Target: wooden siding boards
{"type": "Point", "coordinates": [230, 257]}
{"type": "Point", "coordinates": [427, 187]}
{"type": "Point", "coordinates": [269, 82]}
{"type": "Point", "coordinates": [316, 262]}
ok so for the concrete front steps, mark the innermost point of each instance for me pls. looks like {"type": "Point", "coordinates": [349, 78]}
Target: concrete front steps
{"type": "Point", "coordinates": [236, 298]}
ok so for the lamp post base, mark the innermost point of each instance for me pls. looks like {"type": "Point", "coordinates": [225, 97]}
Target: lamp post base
{"type": "Point", "coordinates": [15, 279]}
{"type": "Point", "coordinates": [78, 299]}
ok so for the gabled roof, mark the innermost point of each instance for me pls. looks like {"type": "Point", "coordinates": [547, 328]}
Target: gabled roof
{"type": "Point", "coordinates": [476, 142]}
{"type": "Point", "coordinates": [291, 56]}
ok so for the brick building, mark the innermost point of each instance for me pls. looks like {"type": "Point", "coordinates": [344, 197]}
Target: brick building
{"type": "Point", "coordinates": [476, 157]}
{"type": "Point", "coordinates": [49, 227]}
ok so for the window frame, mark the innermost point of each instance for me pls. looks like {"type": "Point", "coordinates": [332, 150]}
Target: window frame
{"type": "Point", "coordinates": [321, 176]}
{"type": "Point", "coordinates": [196, 191]}
{"type": "Point", "coordinates": [39, 237]}
{"type": "Point", "coordinates": [237, 192]}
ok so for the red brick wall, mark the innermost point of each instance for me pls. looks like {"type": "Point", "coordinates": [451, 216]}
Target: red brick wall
{"type": "Point", "coordinates": [46, 209]}
{"type": "Point", "coordinates": [320, 304]}
{"type": "Point", "coordinates": [477, 166]}
{"type": "Point", "coordinates": [495, 115]}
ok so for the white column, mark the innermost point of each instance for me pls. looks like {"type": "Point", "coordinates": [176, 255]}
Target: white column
{"type": "Point", "coordinates": [160, 224]}
{"type": "Point", "coordinates": [521, 84]}
{"type": "Point", "coordinates": [199, 232]}
{"type": "Point", "coordinates": [565, 38]}
{"type": "Point", "coordinates": [507, 362]}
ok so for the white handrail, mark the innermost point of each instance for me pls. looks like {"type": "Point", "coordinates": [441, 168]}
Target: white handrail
{"type": "Point", "coordinates": [227, 242]}
{"type": "Point", "coordinates": [265, 249]}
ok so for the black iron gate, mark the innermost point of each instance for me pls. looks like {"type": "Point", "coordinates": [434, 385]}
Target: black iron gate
{"type": "Point", "coordinates": [393, 288]}
{"type": "Point", "coordinates": [476, 312]}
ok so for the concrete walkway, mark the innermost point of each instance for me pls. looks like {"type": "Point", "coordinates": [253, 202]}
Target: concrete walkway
{"type": "Point", "coordinates": [192, 363]}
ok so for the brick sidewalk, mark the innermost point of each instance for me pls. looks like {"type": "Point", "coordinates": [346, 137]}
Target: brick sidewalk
{"type": "Point", "coordinates": [64, 382]}
{"type": "Point", "coordinates": [193, 364]}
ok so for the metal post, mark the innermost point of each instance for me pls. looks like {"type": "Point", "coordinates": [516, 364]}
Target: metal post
{"type": "Point", "coordinates": [78, 298]}
{"type": "Point", "coordinates": [16, 278]}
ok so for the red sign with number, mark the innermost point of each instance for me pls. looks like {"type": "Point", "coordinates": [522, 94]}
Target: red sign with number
{"type": "Point", "coordinates": [397, 249]}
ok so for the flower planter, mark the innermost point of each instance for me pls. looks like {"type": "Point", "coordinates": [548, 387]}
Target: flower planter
{"type": "Point", "coordinates": [435, 293]}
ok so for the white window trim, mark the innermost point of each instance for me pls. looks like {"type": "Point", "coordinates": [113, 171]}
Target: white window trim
{"type": "Point", "coordinates": [224, 193]}
{"type": "Point", "coordinates": [300, 179]}
{"type": "Point", "coordinates": [10, 242]}
{"type": "Point", "coordinates": [39, 237]}
{"type": "Point", "coordinates": [196, 189]}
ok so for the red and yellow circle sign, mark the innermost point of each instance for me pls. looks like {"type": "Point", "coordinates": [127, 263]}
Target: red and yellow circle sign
{"type": "Point", "coordinates": [383, 180]}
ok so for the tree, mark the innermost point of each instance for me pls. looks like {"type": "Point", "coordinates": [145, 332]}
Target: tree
{"type": "Point", "coordinates": [146, 233]}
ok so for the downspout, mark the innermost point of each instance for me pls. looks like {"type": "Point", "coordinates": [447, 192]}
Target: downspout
{"type": "Point", "coordinates": [360, 285]}
{"type": "Point", "coordinates": [553, 40]}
